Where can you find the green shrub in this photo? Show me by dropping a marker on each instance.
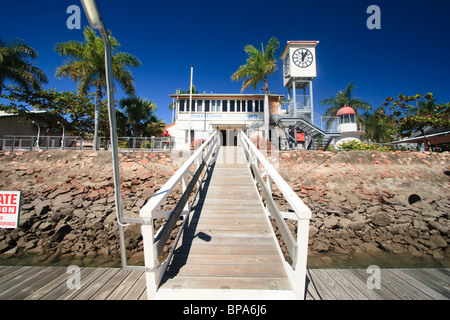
(357, 145)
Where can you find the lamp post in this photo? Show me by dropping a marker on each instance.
(62, 137)
(96, 22)
(39, 133)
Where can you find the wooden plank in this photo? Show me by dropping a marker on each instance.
(430, 280)
(320, 285)
(28, 276)
(41, 280)
(62, 288)
(332, 285)
(50, 286)
(16, 276)
(229, 241)
(226, 249)
(96, 285)
(228, 221)
(352, 290)
(398, 287)
(110, 286)
(121, 290)
(430, 293)
(371, 294)
(312, 292)
(138, 290)
(221, 270)
(226, 233)
(88, 275)
(201, 259)
(187, 282)
(384, 290)
(6, 270)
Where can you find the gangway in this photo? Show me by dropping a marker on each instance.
(225, 246)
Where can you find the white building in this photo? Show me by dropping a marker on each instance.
(224, 112)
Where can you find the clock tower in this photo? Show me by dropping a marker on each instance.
(299, 70)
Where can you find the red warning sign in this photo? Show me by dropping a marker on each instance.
(9, 209)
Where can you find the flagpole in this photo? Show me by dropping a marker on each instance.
(190, 107)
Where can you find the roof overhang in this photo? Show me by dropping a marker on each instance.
(299, 43)
(441, 137)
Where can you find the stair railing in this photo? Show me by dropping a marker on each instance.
(154, 244)
(297, 248)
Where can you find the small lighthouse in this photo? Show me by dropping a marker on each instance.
(348, 127)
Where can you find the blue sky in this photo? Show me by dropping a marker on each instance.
(410, 54)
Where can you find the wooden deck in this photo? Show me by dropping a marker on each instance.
(228, 243)
(50, 283)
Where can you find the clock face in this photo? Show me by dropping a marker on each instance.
(302, 58)
(286, 65)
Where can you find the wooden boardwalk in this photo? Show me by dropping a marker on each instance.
(50, 283)
(228, 244)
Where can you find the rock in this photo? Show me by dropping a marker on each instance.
(4, 246)
(61, 232)
(356, 226)
(331, 222)
(321, 246)
(42, 207)
(438, 241)
(344, 223)
(438, 255)
(381, 220)
(438, 226)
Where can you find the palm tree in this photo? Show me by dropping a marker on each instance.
(140, 116)
(259, 65)
(342, 99)
(86, 66)
(379, 127)
(15, 66)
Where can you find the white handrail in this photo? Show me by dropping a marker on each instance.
(299, 207)
(297, 271)
(203, 156)
(155, 202)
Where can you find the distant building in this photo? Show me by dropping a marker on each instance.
(224, 112)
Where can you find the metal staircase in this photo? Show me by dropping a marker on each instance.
(318, 136)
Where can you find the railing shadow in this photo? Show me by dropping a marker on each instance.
(181, 253)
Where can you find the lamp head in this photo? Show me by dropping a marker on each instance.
(93, 14)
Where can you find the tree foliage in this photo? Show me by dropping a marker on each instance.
(17, 66)
(260, 64)
(341, 99)
(86, 67)
(417, 112)
(140, 117)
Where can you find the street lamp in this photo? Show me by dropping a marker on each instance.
(96, 22)
(39, 133)
(62, 138)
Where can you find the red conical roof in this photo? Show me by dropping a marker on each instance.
(345, 110)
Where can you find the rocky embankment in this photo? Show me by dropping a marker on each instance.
(361, 201)
(371, 201)
(68, 205)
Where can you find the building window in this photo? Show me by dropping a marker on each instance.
(224, 105)
(199, 105)
(243, 105)
(238, 105)
(249, 105)
(206, 105)
(181, 105)
(261, 105)
(256, 105)
(232, 106)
